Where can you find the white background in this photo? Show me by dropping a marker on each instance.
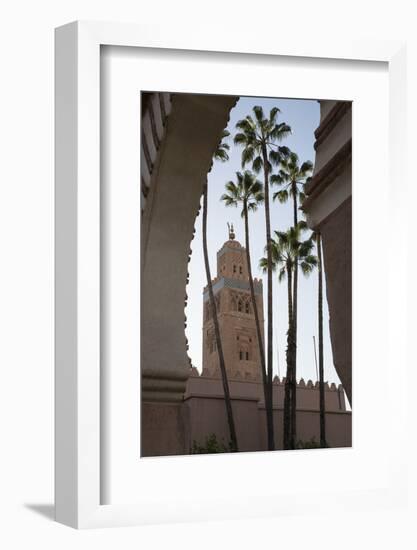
(26, 275)
(301, 473)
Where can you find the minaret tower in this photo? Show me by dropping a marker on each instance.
(235, 313)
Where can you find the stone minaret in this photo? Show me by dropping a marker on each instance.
(235, 314)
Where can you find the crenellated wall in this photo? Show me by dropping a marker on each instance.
(205, 402)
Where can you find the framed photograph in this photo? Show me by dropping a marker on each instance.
(220, 334)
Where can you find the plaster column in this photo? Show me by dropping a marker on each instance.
(328, 208)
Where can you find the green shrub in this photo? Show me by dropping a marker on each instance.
(211, 445)
(310, 444)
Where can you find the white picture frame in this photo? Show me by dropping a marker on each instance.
(78, 403)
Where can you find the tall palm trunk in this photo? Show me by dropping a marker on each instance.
(226, 390)
(295, 319)
(293, 361)
(255, 308)
(288, 380)
(269, 403)
(321, 366)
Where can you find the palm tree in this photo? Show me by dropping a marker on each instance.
(288, 251)
(291, 178)
(323, 442)
(248, 192)
(316, 236)
(258, 136)
(222, 150)
(221, 153)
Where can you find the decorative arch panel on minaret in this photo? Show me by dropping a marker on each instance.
(235, 314)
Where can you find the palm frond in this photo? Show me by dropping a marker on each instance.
(263, 264)
(281, 196)
(247, 155)
(239, 178)
(240, 139)
(283, 237)
(282, 274)
(259, 197)
(284, 151)
(302, 225)
(257, 190)
(247, 125)
(306, 168)
(292, 159)
(221, 154)
(276, 179)
(280, 131)
(257, 164)
(305, 248)
(275, 157)
(222, 147)
(228, 200)
(232, 188)
(306, 268)
(273, 115)
(259, 113)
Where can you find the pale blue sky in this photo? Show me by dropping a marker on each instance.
(303, 117)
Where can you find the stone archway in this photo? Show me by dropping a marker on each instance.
(177, 172)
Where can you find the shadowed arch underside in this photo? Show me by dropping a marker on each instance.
(193, 129)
